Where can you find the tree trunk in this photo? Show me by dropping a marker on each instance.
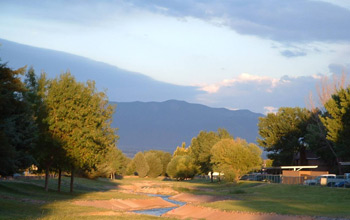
(302, 156)
(322, 131)
(59, 180)
(71, 180)
(47, 169)
(211, 177)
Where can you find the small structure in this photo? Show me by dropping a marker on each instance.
(295, 174)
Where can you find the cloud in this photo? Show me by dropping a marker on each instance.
(291, 54)
(286, 21)
(270, 109)
(266, 83)
(283, 21)
(339, 68)
(259, 93)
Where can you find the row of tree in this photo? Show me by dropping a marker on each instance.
(325, 131)
(62, 125)
(208, 152)
(56, 124)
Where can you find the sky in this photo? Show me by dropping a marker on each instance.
(254, 54)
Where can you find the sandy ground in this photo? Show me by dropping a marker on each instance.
(195, 212)
(190, 198)
(127, 204)
(149, 187)
(117, 207)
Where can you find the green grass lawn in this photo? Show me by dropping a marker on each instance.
(279, 198)
(26, 199)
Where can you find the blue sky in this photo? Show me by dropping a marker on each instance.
(255, 54)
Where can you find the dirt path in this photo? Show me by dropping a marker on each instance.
(195, 212)
(149, 187)
(117, 207)
(127, 204)
(191, 198)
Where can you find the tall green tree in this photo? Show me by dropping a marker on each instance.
(17, 127)
(47, 151)
(281, 135)
(317, 142)
(182, 167)
(114, 163)
(164, 157)
(141, 165)
(201, 148)
(235, 158)
(154, 163)
(181, 151)
(80, 118)
(337, 122)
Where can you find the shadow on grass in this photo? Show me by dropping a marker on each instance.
(287, 199)
(272, 198)
(26, 198)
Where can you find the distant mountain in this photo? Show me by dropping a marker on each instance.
(165, 125)
(142, 125)
(122, 85)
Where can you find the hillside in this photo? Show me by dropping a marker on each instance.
(165, 125)
(121, 85)
(142, 125)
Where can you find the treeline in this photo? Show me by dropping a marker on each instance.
(55, 124)
(292, 133)
(208, 152)
(61, 125)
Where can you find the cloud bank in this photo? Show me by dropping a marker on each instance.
(260, 94)
(285, 21)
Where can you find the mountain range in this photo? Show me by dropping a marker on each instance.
(148, 114)
(121, 85)
(165, 125)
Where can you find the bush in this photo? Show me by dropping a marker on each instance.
(182, 167)
(155, 165)
(141, 165)
(235, 158)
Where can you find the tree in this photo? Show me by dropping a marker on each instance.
(316, 141)
(316, 136)
(154, 164)
(80, 118)
(201, 148)
(182, 167)
(337, 122)
(181, 151)
(141, 165)
(46, 150)
(130, 167)
(17, 127)
(235, 158)
(114, 163)
(281, 134)
(164, 157)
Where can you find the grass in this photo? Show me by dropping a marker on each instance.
(286, 199)
(26, 199)
(273, 198)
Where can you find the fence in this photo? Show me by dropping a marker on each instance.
(330, 181)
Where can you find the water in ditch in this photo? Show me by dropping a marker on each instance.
(160, 211)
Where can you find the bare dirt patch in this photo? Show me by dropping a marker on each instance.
(149, 187)
(127, 204)
(191, 198)
(195, 212)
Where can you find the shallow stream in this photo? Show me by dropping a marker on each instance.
(160, 211)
